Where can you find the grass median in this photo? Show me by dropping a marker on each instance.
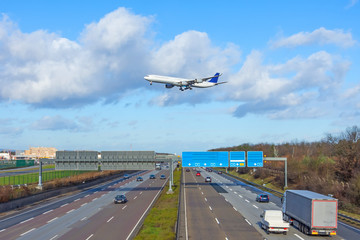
(161, 220)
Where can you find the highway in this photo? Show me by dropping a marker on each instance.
(90, 214)
(240, 197)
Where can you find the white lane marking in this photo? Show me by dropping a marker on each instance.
(240, 196)
(70, 211)
(83, 204)
(226, 238)
(235, 192)
(2, 230)
(199, 188)
(87, 195)
(52, 220)
(227, 187)
(246, 200)
(247, 221)
(110, 219)
(147, 209)
(77, 200)
(27, 232)
(226, 200)
(48, 211)
(83, 219)
(135, 197)
(140, 192)
(64, 205)
(298, 236)
(202, 193)
(124, 207)
(94, 199)
(217, 221)
(26, 220)
(255, 206)
(186, 227)
(90, 236)
(230, 189)
(234, 208)
(210, 208)
(205, 199)
(53, 237)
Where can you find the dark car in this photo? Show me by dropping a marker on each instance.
(120, 199)
(210, 170)
(208, 179)
(262, 198)
(187, 170)
(198, 174)
(139, 179)
(162, 176)
(152, 176)
(219, 172)
(126, 176)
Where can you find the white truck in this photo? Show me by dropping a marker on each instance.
(158, 166)
(312, 213)
(272, 221)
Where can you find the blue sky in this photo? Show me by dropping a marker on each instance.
(72, 73)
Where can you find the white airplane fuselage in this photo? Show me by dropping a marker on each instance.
(179, 82)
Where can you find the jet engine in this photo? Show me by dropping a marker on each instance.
(169, 85)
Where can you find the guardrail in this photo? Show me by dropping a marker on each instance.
(280, 194)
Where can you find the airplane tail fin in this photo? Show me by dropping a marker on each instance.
(215, 78)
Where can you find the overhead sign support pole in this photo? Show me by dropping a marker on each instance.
(279, 159)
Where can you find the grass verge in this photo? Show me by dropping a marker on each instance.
(161, 220)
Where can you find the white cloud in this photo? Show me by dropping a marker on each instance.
(319, 36)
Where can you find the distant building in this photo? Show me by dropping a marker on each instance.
(41, 152)
(5, 156)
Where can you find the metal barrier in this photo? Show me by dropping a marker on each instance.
(179, 207)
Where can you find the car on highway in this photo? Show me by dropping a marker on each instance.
(162, 176)
(152, 176)
(262, 198)
(139, 179)
(126, 176)
(198, 174)
(120, 199)
(187, 170)
(208, 179)
(194, 169)
(219, 172)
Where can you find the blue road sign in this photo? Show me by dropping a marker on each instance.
(237, 159)
(255, 159)
(205, 159)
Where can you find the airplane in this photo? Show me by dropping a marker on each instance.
(184, 83)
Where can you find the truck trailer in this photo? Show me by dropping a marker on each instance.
(312, 213)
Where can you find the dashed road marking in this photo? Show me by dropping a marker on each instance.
(240, 196)
(89, 194)
(247, 200)
(53, 237)
(205, 199)
(94, 199)
(124, 207)
(83, 204)
(77, 200)
(141, 192)
(83, 219)
(217, 221)
(90, 236)
(70, 211)
(48, 211)
(298, 236)
(202, 193)
(110, 219)
(247, 221)
(26, 220)
(64, 205)
(2, 230)
(135, 197)
(27, 232)
(210, 208)
(52, 220)
(255, 206)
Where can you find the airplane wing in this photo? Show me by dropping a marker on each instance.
(200, 80)
(220, 83)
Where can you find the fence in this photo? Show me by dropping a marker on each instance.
(16, 163)
(34, 177)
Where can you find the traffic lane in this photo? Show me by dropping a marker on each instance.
(124, 216)
(230, 220)
(201, 222)
(244, 199)
(32, 223)
(16, 218)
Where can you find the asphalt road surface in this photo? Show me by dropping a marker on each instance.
(240, 197)
(208, 215)
(90, 214)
